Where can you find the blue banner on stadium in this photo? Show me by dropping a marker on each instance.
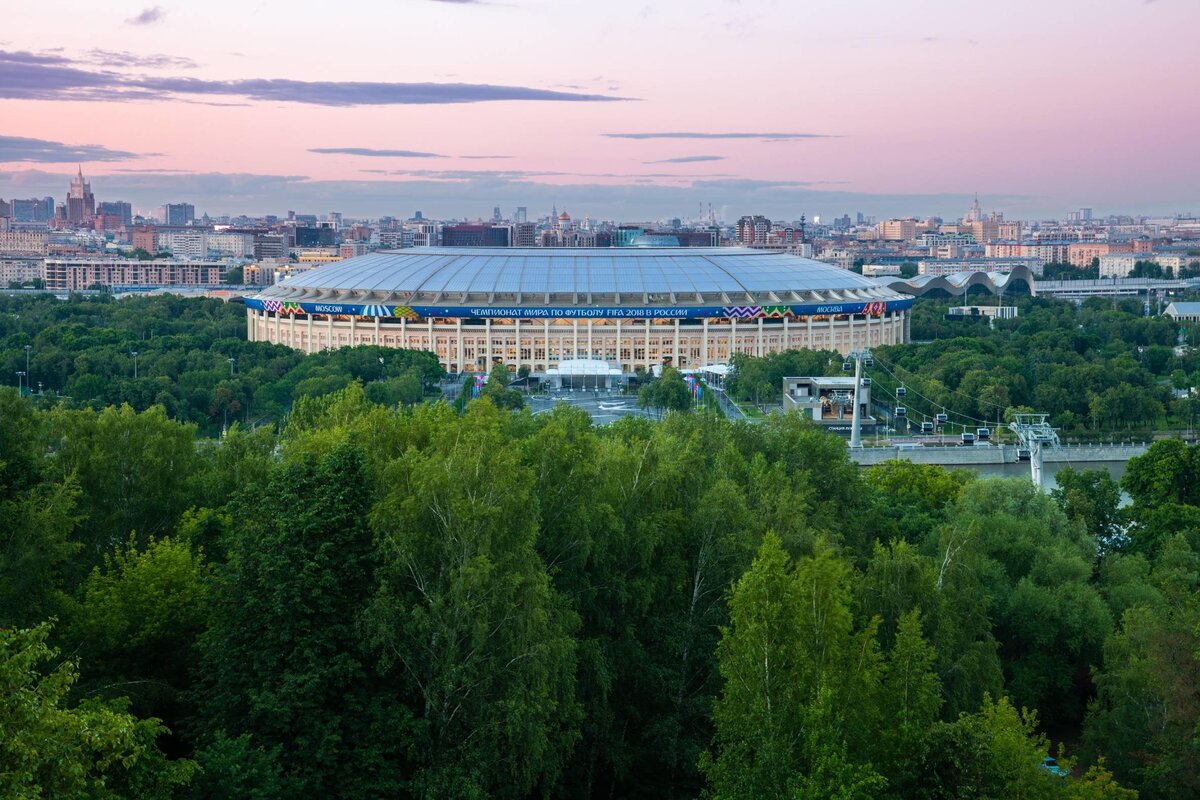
(289, 307)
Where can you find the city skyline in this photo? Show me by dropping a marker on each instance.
(633, 111)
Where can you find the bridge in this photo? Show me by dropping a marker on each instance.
(977, 455)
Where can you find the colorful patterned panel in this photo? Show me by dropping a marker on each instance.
(775, 312)
(406, 312)
(272, 305)
(376, 311)
(291, 307)
(741, 312)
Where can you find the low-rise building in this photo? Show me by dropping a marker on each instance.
(1183, 312)
(65, 274)
(829, 401)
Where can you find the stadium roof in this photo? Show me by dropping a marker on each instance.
(958, 283)
(569, 276)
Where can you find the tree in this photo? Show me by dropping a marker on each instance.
(51, 749)
(136, 624)
(497, 389)
(283, 660)
(1094, 498)
(668, 392)
(995, 752)
(789, 672)
(465, 621)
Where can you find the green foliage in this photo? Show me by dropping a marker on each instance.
(996, 752)
(50, 749)
(796, 675)
(80, 352)
(466, 622)
(283, 660)
(760, 380)
(669, 392)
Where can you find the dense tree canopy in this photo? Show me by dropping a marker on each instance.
(381, 599)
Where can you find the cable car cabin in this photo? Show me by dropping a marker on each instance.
(901, 391)
(1024, 454)
(942, 418)
(901, 411)
(926, 427)
(983, 434)
(845, 366)
(868, 361)
(968, 438)
(866, 381)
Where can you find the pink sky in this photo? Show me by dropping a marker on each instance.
(1039, 106)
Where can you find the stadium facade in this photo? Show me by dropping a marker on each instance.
(539, 308)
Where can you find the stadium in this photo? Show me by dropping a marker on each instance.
(550, 310)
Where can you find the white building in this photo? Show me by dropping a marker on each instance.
(183, 243)
(938, 268)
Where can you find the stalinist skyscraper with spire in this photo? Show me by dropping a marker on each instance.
(81, 203)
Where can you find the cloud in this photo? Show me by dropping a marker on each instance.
(124, 58)
(486, 157)
(685, 160)
(699, 135)
(28, 76)
(42, 151)
(373, 153)
(148, 16)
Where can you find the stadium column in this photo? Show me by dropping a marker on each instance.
(432, 343)
(278, 329)
(310, 335)
(850, 328)
(251, 314)
(675, 356)
(732, 337)
(458, 354)
(786, 341)
(404, 333)
(517, 338)
(574, 338)
(649, 365)
(547, 329)
(810, 333)
(620, 365)
(591, 352)
(487, 331)
(353, 329)
(377, 339)
(291, 330)
(759, 345)
(704, 343)
(329, 340)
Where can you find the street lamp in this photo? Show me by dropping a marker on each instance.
(135, 355)
(232, 361)
(20, 382)
(28, 347)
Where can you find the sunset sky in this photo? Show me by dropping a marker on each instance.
(628, 110)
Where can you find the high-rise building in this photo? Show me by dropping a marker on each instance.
(898, 230)
(33, 210)
(81, 203)
(524, 234)
(475, 236)
(521, 215)
(5, 209)
(753, 230)
(178, 214)
(496, 214)
(976, 213)
(116, 208)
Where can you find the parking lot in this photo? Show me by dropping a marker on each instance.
(603, 406)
